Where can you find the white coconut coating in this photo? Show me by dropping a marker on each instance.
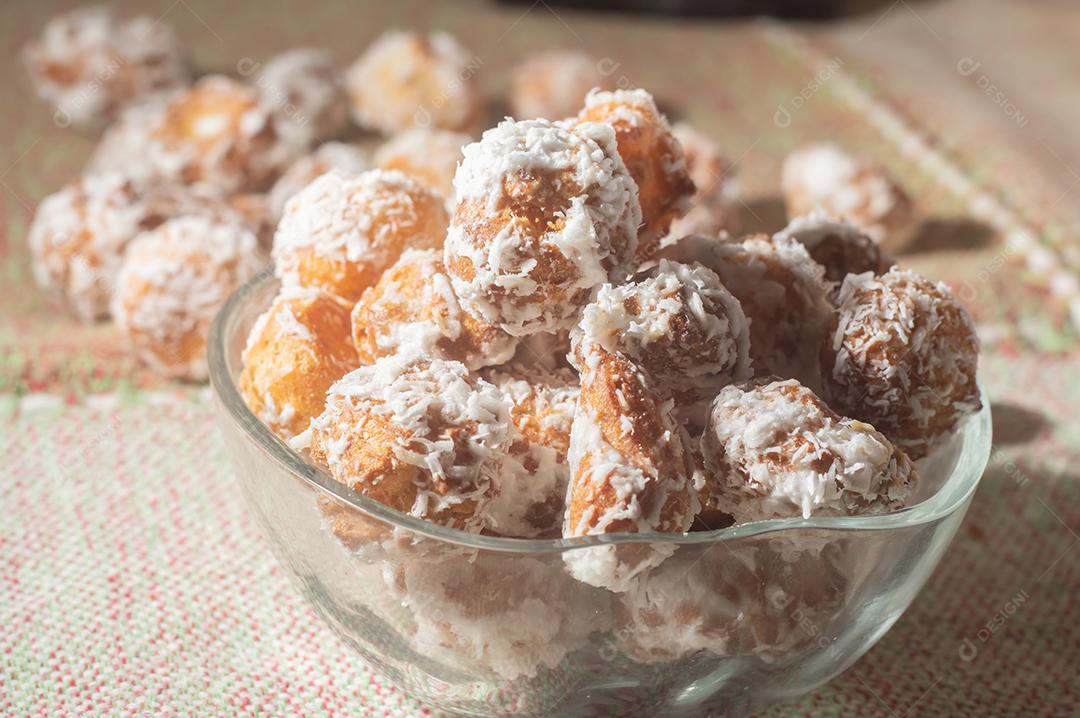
(653, 156)
(89, 65)
(405, 80)
(824, 176)
(552, 85)
(78, 237)
(681, 327)
(545, 215)
(347, 159)
(496, 613)
(902, 354)
(173, 281)
(759, 598)
(837, 245)
(775, 450)
(782, 291)
(412, 311)
(424, 437)
(125, 144)
(221, 134)
(532, 490)
(340, 233)
(305, 89)
(630, 470)
(429, 155)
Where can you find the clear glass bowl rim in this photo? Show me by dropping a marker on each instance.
(953, 494)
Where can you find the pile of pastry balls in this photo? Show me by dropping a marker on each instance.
(178, 203)
(547, 332)
(543, 359)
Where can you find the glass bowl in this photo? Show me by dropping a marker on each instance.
(733, 621)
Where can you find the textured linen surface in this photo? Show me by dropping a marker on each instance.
(132, 580)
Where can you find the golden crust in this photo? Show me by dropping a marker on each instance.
(287, 369)
(78, 237)
(654, 159)
(426, 438)
(545, 214)
(91, 65)
(342, 243)
(774, 449)
(614, 393)
(533, 204)
(681, 327)
(630, 471)
(552, 84)
(408, 80)
(379, 475)
(413, 307)
(219, 134)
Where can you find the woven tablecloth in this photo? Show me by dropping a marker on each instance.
(133, 581)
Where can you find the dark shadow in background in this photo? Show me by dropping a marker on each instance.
(761, 214)
(950, 233)
(1014, 424)
(792, 9)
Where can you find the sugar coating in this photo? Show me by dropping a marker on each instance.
(747, 599)
(345, 158)
(424, 437)
(496, 613)
(78, 237)
(630, 470)
(782, 291)
(340, 233)
(532, 490)
(775, 450)
(305, 89)
(413, 311)
(429, 155)
(902, 354)
(172, 282)
(712, 208)
(652, 155)
(296, 349)
(686, 332)
(837, 245)
(405, 80)
(545, 215)
(218, 133)
(824, 176)
(552, 85)
(89, 65)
